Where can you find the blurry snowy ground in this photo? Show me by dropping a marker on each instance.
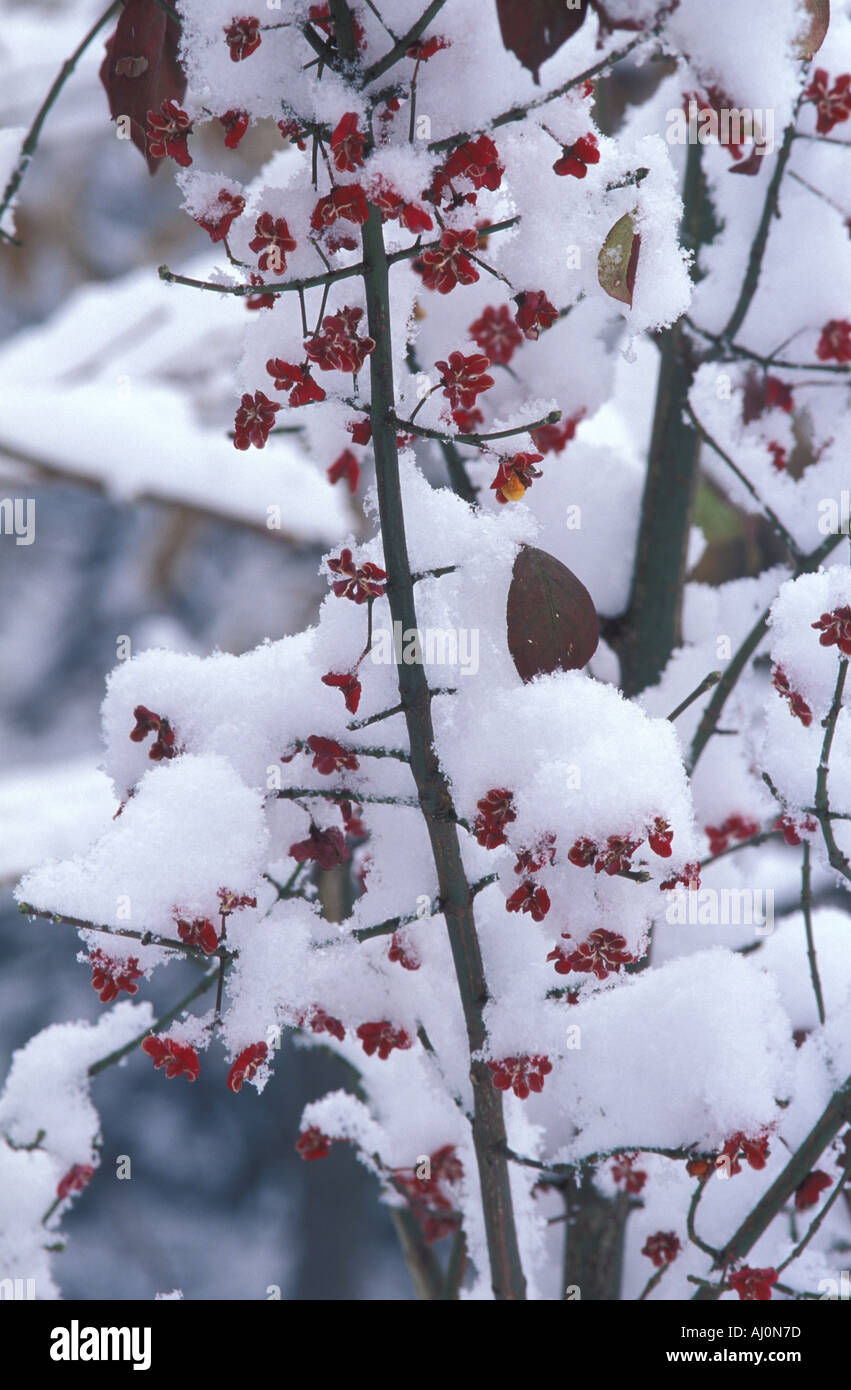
(99, 380)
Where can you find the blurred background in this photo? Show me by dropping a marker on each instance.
(108, 379)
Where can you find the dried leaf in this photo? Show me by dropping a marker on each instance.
(141, 70)
(815, 32)
(618, 259)
(536, 29)
(552, 624)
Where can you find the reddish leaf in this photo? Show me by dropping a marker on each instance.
(552, 625)
(141, 70)
(536, 29)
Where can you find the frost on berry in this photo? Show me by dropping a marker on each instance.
(199, 933)
(218, 218)
(75, 1180)
(430, 1198)
(303, 389)
(242, 37)
(521, 1075)
(177, 1058)
(246, 1065)
(496, 810)
(312, 1144)
(318, 1021)
(625, 1173)
(403, 953)
(110, 977)
(235, 124)
(382, 1038)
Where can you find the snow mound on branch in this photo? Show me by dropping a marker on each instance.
(47, 1090)
(191, 828)
(690, 1054)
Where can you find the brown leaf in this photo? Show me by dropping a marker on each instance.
(141, 70)
(536, 29)
(618, 259)
(552, 624)
(815, 30)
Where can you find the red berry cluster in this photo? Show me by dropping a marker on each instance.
(168, 131)
(662, 1248)
(402, 952)
(791, 830)
(797, 704)
(496, 810)
(220, 215)
(808, 1193)
(835, 629)
(625, 1172)
(833, 104)
(448, 264)
(357, 582)
(521, 1074)
(110, 977)
(254, 420)
(147, 722)
(576, 158)
(327, 848)
(74, 1180)
(754, 1284)
(177, 1058)
(427, 1198)
(515, 475)
(382, 1038)
(242, 37)
(246, 1065)
(312, 1144)
(734, 828)
(349, 685)
(318, 1021)
(338, 347)
(602, 954)
(199, 933)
